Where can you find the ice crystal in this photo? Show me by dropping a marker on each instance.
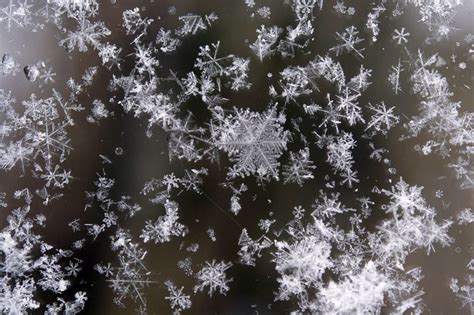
(212, 277)
(254, 141)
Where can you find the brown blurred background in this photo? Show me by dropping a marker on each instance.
(143, 158)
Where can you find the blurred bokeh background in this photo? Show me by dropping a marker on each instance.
(252, 289)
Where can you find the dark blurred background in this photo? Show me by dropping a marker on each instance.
(252, 289)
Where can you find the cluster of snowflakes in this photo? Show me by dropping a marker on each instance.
(326, 259)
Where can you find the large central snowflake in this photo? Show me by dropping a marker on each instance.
(254, 141)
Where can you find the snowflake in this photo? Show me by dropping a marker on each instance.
(131, 278)
(394, 77)
(165, 227)
(208, 61)
(341, 159)
(400, 36)
(16, 14)
(465, 293)
(87, 33)
(301, 265)
(191, 23)
(299, 168)
(266, 40)
(382, 116)
(361, 293)
(213, 275)
(177, 299)
(254, 141)
(405, 198)
(347, 41)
